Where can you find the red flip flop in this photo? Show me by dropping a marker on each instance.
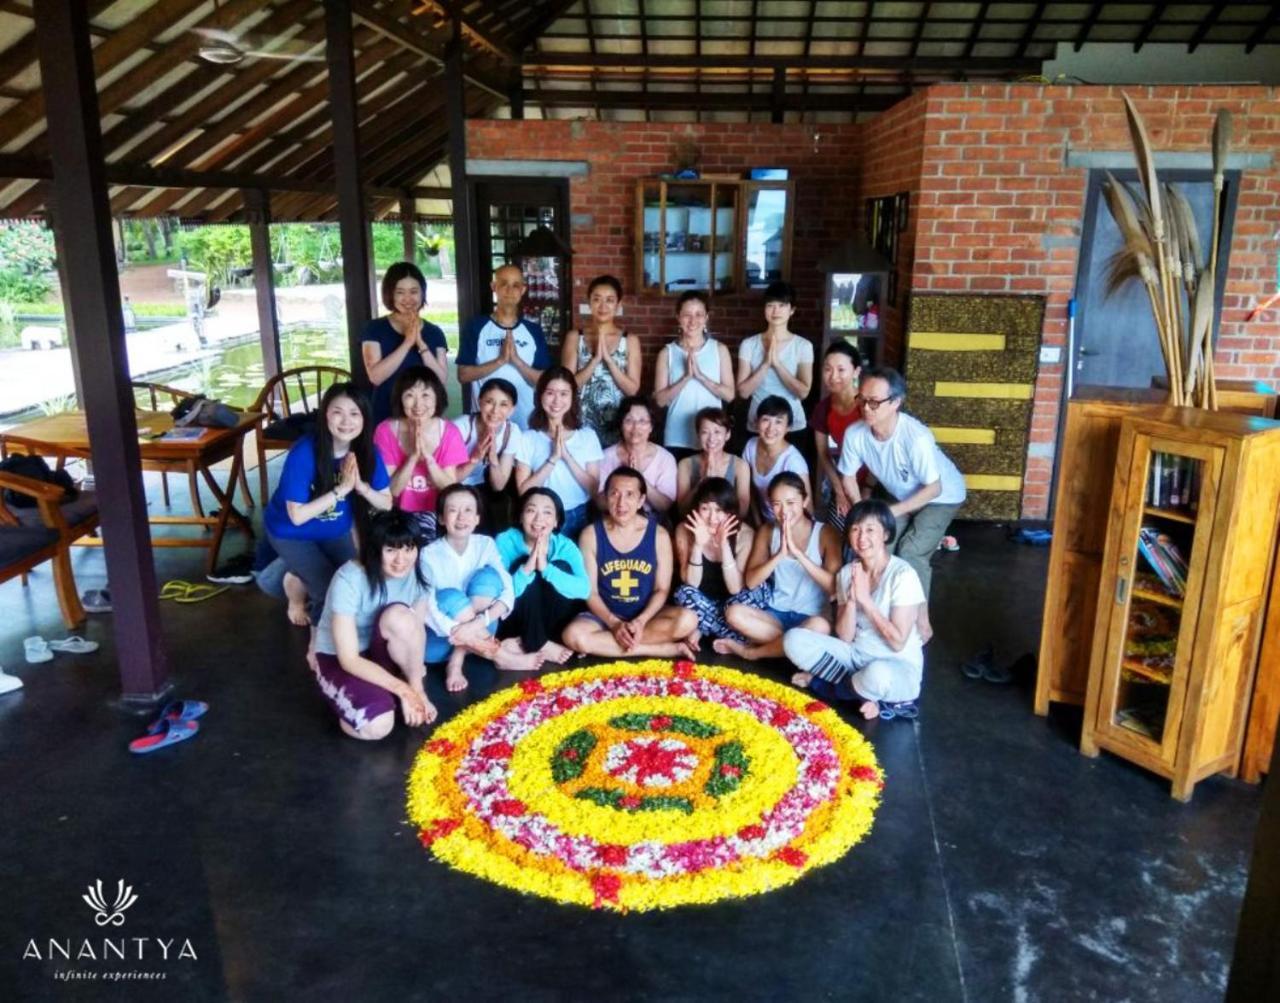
(171, 733)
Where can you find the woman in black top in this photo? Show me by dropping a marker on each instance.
(711, 553)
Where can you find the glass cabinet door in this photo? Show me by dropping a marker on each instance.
(688, 237)
(1160, 568)
(652, 237)
(724, 237)
(765, 233)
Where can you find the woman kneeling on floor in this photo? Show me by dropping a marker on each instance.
(876, 655)
(470, 589)
(370, 637)
(548, 579)
(789, 576)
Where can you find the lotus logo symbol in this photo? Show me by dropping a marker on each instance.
(105, 915)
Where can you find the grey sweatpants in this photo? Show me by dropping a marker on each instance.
(918, 536)
(885, 680)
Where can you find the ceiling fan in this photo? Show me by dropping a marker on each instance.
(225, 48)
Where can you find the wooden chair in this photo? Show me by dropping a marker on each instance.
(294, 391)
(46, 534)
(159, 397)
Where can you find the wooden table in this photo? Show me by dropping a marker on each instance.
(66, 435)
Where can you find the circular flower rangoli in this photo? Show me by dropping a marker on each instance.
(642, 785)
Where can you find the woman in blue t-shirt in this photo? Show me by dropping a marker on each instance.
(391, 344)
(310, 520)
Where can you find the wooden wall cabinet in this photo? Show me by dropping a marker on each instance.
(1190, 540)
(719, 235)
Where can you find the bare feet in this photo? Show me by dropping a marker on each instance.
(870, 710)
(454, 680)
(728, 646)
(517, 660)
(296, 593)
(802, 680)
(432, 713)
(298, 614)
(554, 652)
(690, 647)
(926, 632)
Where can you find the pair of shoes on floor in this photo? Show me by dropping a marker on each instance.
(8, 683)
(96, 601)
(37, 649)
(983, 666)
(1032, 537)
(190, 592)
(949, 543)
(903, 710)
(236, 571)
(176, 723)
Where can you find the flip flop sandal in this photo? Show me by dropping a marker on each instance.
(96, 601)
(74, 645)
(37, 650)
(170, 733)
(190, 592)
(997, 674)
(979, 665)
(949, 544)
(905, 710)
(178, 710)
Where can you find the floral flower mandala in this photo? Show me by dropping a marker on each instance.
(643, 785)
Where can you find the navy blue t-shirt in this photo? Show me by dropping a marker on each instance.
(389, 339)
(297, 484)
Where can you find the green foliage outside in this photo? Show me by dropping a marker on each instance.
(26, 272)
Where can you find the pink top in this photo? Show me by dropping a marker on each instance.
(419, 495)
(660, 472)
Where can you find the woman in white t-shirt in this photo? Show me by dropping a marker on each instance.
(777, 362)
(492, 439)
(876, 655)
(693, 372)
(557, 452)
(770, 454)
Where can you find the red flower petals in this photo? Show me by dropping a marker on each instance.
(613, 854)
(659, 722)
(782, 717)
(865, 773)
(531, 686)
(511, 807)
(676, 688)
(790, 855)
(684, 670)
(437, 829)
(629, 801)
(497, 750)
(570, 753)
(440, 746)
(729, 770)
(814, 706)
(751, 832)
(606, 887)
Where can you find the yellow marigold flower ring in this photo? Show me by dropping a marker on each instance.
(642, 785)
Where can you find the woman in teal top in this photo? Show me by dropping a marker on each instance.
(548, 578)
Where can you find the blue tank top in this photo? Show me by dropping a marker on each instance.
(625, 579)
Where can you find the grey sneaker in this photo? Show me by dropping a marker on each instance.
(96, 601)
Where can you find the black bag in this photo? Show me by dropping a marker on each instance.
(35, 468)
(292, 428)
(202, 412)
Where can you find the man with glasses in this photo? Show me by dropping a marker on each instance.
(923, 487)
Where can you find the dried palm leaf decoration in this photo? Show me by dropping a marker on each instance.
(1163, 250)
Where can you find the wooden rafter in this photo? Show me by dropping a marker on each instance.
(1202, 29)
(1086, 26)
(470, 31)
(1029, 34)
(1148, 26)
(920, 26)
(976, 31)
(920, 64)
(411, 37)
(864, 26)
(22, 53)
(1265, 25)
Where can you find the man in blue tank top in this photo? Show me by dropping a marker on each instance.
(628, 560)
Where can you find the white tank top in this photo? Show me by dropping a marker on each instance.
(680, 430)
(793, 588)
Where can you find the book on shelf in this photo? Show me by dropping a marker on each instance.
(1164, 558)
(1173, 482)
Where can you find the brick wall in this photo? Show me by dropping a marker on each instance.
(822, 160)
(999, 211)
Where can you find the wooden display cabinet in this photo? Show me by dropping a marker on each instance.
(718, 235)
(1190, 540)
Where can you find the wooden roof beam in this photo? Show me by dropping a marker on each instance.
(691, 100)
(470, 30)
(1087, 26)
(1028, 35)
(22, 53)
(1202, 29)
(920, 64)
(1157, 12)
(1264, 26)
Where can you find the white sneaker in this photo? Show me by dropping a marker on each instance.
(9, 683)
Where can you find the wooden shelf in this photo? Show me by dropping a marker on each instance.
(1156, 597)
(1170, 513)
(1139, 669)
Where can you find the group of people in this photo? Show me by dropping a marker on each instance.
(550, 521)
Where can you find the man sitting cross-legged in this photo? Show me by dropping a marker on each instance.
(628, 561)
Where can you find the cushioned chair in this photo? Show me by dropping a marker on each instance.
(31, 536)
(287, 397)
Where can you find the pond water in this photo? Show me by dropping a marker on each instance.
(235, 375)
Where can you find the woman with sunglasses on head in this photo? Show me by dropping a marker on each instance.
(421, 449)
(607, 365)
(391, 344)
(789, 575)
(312, 519)
(370, 637)
(637, 450)
(557, 452)
(875, 655)
(714, 428)
(692, 373)
(921, 485)
(548, 579)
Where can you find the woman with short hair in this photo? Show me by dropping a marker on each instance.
(636, 449)
(606, 365)
(769, 454)
(692, 372)
(714, 427)
(777, 362)
(393, 343)
(711, 556)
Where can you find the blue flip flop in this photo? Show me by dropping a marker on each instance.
(170, 733)
(832, 692)
(906, 710)
(178, 710)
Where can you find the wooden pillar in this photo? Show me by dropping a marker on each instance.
(463, 210)
(352, 217)
(408, 226)
(1255, 968)
(257, 206)
(515, 94)
(92, 295)
(778, 109)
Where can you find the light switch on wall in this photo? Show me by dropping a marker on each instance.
(1050, 354)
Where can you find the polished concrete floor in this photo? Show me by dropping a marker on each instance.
(1002, 864)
